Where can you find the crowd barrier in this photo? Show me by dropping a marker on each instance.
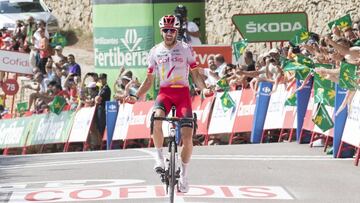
(126, 122)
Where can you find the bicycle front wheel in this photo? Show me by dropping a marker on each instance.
(172, 171)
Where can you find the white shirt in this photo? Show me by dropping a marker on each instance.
(172, 65)
(192, 27)
(220, 70)
(210, 80)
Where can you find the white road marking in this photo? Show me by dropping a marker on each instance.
(152, 154)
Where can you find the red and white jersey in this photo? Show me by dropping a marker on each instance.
(171, 65)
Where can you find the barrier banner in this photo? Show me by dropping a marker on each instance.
(82, 122)
(339, 123)
(122, 121)
(14, 132)
(276, 109)
(50, 128)
(302, 103)
(202, 108)
(245, 115)
(111, 114)
(262, 102)
(139, 123)
(290, 112)
(329, 132)
(351, 134)
(223, 122)
(310, 110)
(203, 52)
(15, 62)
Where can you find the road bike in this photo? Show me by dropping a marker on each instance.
(171, 174)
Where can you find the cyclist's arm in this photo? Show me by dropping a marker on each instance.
(145, 86)
(198, 79)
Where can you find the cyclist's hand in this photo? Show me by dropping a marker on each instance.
(130, 99)
(207, 92)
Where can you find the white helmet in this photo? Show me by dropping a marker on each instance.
(169, 21)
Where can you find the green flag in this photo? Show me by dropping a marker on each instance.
(323, 65)
(322, 118)
(58, 39)
(239, 48)
(324, 90)
(343, 23)
(226, 101)
(301, 36)
(302, 74)
(22, 107)
(348, 76)
(57, 104)
(291, 101)
(223, 84)
(303, 60)
(357, 43)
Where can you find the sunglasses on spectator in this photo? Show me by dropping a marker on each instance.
(169, 30)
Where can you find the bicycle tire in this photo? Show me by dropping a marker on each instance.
(172, 172)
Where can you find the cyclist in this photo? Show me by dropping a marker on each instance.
(172, 60)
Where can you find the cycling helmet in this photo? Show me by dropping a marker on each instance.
(181, 9)
(169, 21)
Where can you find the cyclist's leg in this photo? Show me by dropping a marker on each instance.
(162, 107)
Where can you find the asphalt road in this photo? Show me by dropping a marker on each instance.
(278, 172)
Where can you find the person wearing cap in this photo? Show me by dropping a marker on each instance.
(191, 30)
(58, 56)
(73, 66)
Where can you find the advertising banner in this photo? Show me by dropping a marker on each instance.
(203, 52)
(351, 134)
(202, 108)
(290, 112)
(50, 128)
(223, 121)
(276, 109)
(82, 122)
(270, 27)
(245, 114)
(139, 124)
(111, 114)
(262, 103)
(14, 132)
(340, 121)
(302, 99)
(15, 62)
(122, 121)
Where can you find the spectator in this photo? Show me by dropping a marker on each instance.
(58, 55)
(249, 63)
(100, 100)
(39, 86)
(73, 66)
(44, 53)
(220, 64)
(189, 31)
(209, 74)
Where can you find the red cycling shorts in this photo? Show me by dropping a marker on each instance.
(179, 96)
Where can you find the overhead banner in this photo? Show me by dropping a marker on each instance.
(15, 62)
(82, 123)
(270, 27)
(245, 114)
(50, 128)
(13, 132)
(204, 52)
(226, 119)
(262, 102)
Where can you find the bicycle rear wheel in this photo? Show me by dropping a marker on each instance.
(172, 172)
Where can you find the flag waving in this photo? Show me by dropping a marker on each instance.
(226, 101)
(322, 118)
(342, 23)
(239, 48)
(57, 104)
(301, 36)
(348, 76)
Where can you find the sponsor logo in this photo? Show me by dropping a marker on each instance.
(173, 59)
(266, 90)
(252, 27)
(131, 40)
(112, 108)
(102, 190)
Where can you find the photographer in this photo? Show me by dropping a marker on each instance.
(189, 31)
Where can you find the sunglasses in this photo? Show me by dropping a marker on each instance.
(169, 30)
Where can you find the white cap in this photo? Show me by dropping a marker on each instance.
(91, 85)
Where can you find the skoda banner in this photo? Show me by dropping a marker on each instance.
(269, 27)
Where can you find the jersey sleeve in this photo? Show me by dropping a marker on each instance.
(190, 56)
(151, 62)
